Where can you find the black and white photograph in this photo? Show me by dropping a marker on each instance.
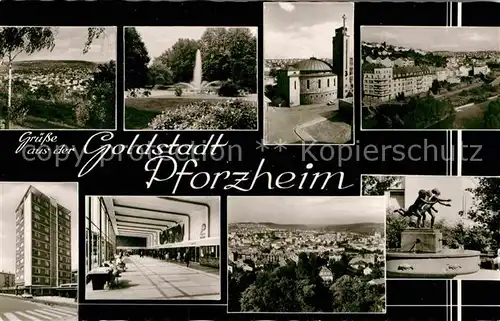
(152, 248)
(191, 78)
(38, 251)
(440, 226)
(59, 78)
(430, 78)
(306, 254)
(308, 72)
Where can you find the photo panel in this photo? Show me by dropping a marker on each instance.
(408, 69)
(308, 72)
(58, 78)
(379, 15)
(441, 227)
(191, 78)
(152, 249)
(306, 254)
(38, 250)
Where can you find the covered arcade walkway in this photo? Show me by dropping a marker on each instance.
(148, 278)
(165, 230)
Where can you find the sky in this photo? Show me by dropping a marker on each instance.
(69, 43)
(306, 209)
(304, 29)
(159, 39)
(11, 195)
(435, 38)
(450, 187)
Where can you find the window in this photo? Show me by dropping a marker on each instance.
(319, 83)
(328, 82)
(295, 84)
(307, 83)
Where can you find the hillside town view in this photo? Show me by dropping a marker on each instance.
(66, 80)
(306, 265)
(430, 78)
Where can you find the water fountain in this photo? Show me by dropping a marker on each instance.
(422, 256)
(197, 85)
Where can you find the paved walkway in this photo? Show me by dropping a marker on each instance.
(150, 279)
(281, 122)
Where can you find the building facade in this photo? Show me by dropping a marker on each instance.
(385, 83)
(43, 241)
(100, 233)
(7, 279)
(309, 81)
(315, 81)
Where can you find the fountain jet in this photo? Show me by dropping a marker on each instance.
(197, 73)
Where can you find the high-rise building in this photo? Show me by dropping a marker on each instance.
(341, 59)
(43, 241)
(7, 279)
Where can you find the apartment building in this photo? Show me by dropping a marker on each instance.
(383, 83)
(43, 241)
(7, 279)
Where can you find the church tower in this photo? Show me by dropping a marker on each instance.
(341, 59)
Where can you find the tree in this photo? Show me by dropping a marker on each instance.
(160, 73)
(486, 209)
(435, 87)
(230, 54)
(491, 116)
(378, 185)
(28, 40)
(179, 59)
(98, 111)
(136, 60)
(354, 294)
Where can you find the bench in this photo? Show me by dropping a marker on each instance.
(99, 276)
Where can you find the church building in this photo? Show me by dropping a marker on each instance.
(314, 81)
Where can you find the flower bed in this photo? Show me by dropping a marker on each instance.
(208, 115)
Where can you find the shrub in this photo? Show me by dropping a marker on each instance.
(178, 91)
(229, 89)
(228, 114)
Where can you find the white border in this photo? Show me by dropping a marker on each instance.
(162, 301)
(123, 92)
(59, 202)
(353, 126)
(410, 129)
(430, 176)
(301, 312)
(116, 86)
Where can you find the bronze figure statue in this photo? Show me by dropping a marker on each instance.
(422, 205)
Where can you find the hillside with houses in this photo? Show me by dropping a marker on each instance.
(73, 76)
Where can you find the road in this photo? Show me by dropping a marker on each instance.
(17, 309)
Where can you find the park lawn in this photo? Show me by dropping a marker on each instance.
(140, 111)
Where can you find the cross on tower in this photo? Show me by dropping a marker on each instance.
(343, 19)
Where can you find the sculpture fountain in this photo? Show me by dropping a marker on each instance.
(197, 85)
(422, 255)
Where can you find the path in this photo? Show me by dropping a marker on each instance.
(151, 279)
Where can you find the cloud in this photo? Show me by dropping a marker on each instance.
(302, 41)
(288, 7)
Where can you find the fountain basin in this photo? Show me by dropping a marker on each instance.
(447, 263)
